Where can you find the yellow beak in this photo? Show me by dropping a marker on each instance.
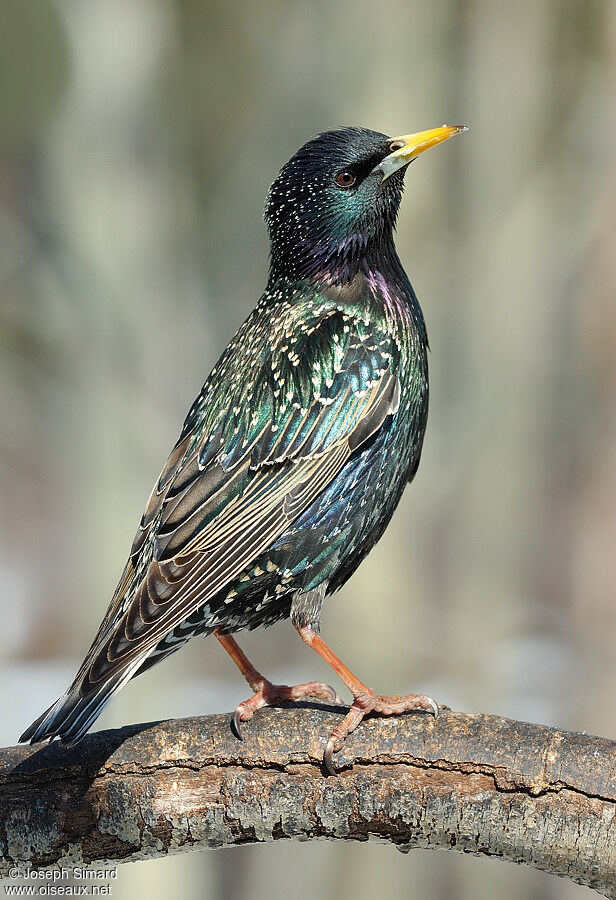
(409, 146)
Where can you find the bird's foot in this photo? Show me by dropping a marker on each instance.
(368, 702)
(272, 694)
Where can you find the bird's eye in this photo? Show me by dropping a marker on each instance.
(396, 145)
(345, 179)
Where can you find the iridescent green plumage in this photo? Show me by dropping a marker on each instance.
(295, 453)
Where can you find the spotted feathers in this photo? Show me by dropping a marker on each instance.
(296, 451)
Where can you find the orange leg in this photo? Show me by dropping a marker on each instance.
(365, 700)
(266, 693)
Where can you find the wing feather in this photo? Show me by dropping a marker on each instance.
(212, 513)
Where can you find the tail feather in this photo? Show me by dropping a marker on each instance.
(74, 712)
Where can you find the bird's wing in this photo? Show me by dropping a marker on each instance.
(234, 482)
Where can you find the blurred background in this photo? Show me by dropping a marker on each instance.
(137, 143)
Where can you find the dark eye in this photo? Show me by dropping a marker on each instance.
(345, 179)
(396, 145)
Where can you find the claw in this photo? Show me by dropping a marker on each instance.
(236, 726)
(333, 696)
(365, 703)
(328, 758)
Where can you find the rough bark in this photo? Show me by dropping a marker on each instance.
(476, 783)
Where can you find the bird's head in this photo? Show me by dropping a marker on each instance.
(335, 202)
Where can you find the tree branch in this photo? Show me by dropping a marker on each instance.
(476, 783)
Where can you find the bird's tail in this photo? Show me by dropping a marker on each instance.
(74, 712)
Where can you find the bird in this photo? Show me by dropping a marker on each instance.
(294, 455)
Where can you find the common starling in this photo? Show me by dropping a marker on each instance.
(295, 454)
